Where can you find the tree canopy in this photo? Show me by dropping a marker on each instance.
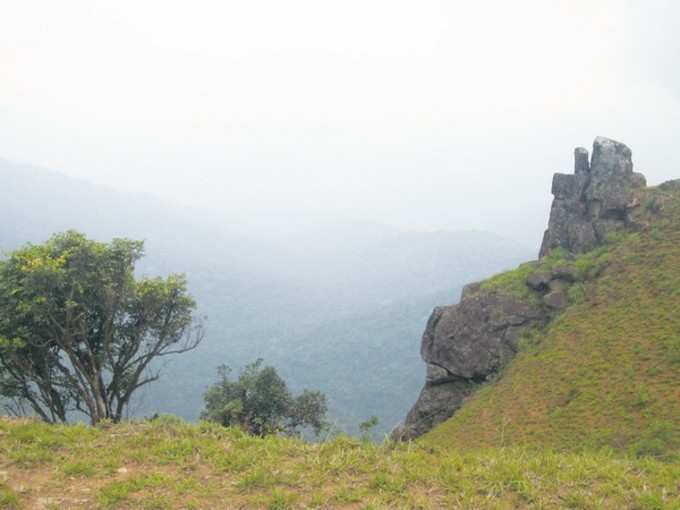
(259, 401)
(78, 331)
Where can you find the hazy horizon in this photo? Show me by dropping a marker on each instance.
(440, 115)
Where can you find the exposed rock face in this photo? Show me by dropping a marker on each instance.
(474, 338)
(463, 345)
(594, 201)
(466, 344)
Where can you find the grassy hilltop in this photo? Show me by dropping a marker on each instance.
(167, 463)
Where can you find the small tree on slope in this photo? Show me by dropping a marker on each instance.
(78, 332)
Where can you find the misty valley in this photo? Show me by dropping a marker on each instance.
(335, 307)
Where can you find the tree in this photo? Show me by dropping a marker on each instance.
(366, 426)
(259, 401)
(78, 331)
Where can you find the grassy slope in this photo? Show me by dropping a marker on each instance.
(170, 464)
(606, 372)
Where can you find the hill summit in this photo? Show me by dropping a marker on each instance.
(578, 347)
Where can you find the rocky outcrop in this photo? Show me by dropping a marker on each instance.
(474, 338)
(466, 344)
(463, 345)
(593, 201)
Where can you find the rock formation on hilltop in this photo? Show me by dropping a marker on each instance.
(594, 201)
(466, 344)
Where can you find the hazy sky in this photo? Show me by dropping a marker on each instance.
(422, 113)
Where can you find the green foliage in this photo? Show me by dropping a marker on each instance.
(366, 426)
(260, 402)
(78, 332)
(308, 410)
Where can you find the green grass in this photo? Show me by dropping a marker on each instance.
(606, 372)
(79, 468)
(115, 493)
(286, 473)
(8, 498)
(588, 266)
(513, 281)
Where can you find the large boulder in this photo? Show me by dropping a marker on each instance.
(610, 189)
(474, 338)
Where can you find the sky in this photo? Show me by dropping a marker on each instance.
(427, 114)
